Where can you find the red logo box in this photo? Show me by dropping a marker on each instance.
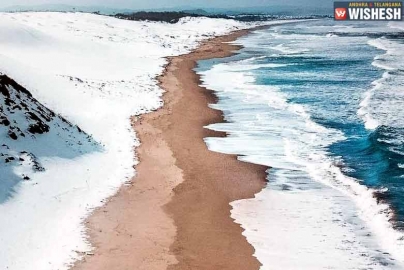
(340, 13)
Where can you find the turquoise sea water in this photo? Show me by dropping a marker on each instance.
(322, 102)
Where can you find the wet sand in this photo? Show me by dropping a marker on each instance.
(175, 214)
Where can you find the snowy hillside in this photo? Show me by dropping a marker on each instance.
(97, 72)
(29, 130)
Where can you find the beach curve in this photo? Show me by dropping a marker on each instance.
(175, 213)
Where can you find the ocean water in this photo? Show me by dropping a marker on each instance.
(321, 103)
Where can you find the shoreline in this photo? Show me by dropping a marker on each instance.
(175, 213)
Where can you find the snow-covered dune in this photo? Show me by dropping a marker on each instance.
(28, 131)
(95, 72)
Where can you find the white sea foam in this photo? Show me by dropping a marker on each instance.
(311, 216)
(331, 35)
(397, 25)
(287, 50)
(387, 93)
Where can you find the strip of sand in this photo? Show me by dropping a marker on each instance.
(175, 214)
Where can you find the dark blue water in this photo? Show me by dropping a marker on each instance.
(326, 94)
(330, 82)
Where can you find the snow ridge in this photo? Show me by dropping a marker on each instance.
(28, 129)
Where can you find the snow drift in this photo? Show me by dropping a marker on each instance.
(29, 130)
(95, 72)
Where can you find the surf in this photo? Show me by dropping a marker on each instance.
(301, 116)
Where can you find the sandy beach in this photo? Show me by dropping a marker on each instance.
(175, 213)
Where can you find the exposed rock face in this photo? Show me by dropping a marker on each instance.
(29, 131)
